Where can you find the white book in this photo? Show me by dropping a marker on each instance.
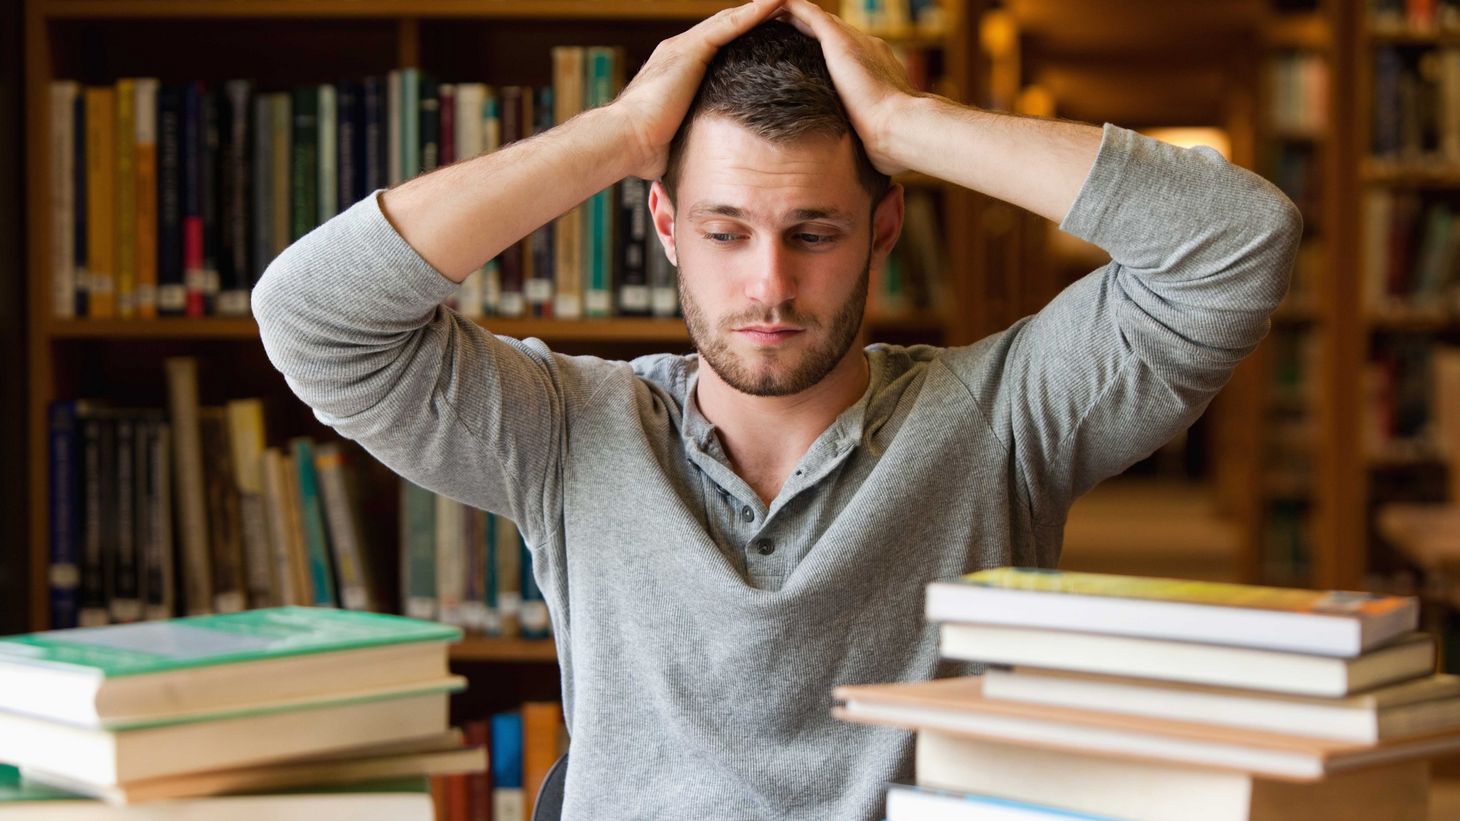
(329, 147)
(1269, 670)
(1422, 705)
(1335, 623)
(909, 803)
(450, 560)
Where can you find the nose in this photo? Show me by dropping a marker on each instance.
(773, 279)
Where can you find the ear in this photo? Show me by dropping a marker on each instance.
(663, 212)
(886, 224)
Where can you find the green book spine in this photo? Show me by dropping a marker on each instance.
(418, 551)
(304, 169)
(321, 573)
(598, 248)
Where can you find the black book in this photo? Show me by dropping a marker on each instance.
(235, 258)
(304, 161)
(376, 158)
(211, 167)
(430, 114)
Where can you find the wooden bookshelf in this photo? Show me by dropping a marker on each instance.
(667, 332)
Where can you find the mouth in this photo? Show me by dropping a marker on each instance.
(768, 334)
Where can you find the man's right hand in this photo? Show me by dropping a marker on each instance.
(655, 103)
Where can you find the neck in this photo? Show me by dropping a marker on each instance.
(765, 436)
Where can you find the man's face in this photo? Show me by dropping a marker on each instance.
(774, 243)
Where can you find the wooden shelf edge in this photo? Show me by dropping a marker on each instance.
(1300, 30)
(491, 648)
(1418, 173)
(676, 10)
(618, 329)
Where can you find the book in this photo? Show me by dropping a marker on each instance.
(346, 534)
(542, 723)
(958, 706)
(396, 800)
(191, 500)
(418, 551)
(1422, 705)
(225, 531)
(246, 445)
(427, 755)
(129, 675)
(100, 138)
(1328, 622)
(508, 800)
(910, 803)
(124, 193)
(272, 732)
(65, 516)
(146, 200)
(1152, 790)
(1278, 672)
(62, 146)
(311, 517)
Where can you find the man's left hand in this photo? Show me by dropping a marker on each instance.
(869, 78)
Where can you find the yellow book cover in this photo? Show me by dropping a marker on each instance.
(145, 166)
(126, 197)
(101, 147)
(1292, 600)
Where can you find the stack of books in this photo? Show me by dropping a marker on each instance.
(1150, 699)
(311, 712)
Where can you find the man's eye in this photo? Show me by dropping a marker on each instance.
(807, 238)
(721, 237)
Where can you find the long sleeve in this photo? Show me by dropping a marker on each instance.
(352, 316)
(1128, 356)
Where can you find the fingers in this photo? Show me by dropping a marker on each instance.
(730, 23)
(810, 19)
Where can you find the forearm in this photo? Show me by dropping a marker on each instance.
(1035, 164)
(460, 216)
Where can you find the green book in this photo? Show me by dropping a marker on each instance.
(125, 674)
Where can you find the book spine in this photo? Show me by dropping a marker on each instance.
(211, 179)
(508, 803)
(172, 135)
(321, 573)
(193, 172)
(157, 552)
(235, 271)
(182, 396)
(146, 199)
(538, 287)
(101, 217)
(81, 193)
(450, 560)
(534, 619)
(542, 722)
(347, 105)
(474, 590)
(394, 99)
(428, 124)
(262, 167)
(633, 236)
(124, 193)
(282, 147)
(124, 601)
(344, 530)
(304, 164)
(479, 784)
(63, 197)
(418, 551)
(512, 301)
(327, 186)
(493, 624)
(508, 555)
(65, 513)
(93, 611)
(225, 535)
(598, 293)
(446, 127)
(491, 141)
(246, 437)
(410, 115)
(276, 509)
(568, 230)
(377, 132)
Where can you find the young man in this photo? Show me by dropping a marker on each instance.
(724, 538)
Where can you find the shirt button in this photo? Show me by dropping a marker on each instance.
(747, 514)
(765, 547)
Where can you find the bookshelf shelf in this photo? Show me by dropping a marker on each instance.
(1298, 31)
(488, 648)
(628, 330)
(1381, 34)
(1417, 173)
(1416, 320)
(638, 10)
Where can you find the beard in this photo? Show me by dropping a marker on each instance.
(776, 372)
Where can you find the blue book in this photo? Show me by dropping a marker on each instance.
(65, 512)
(506, 757)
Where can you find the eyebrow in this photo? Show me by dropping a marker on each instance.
(701, 210)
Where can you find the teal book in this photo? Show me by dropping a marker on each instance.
(128, 674)
(316, 538)
(418, 551)
(598, 240)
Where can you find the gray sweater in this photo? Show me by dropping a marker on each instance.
(699, 631)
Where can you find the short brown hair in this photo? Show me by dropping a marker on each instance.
(773, 81)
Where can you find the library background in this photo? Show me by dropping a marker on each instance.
(154, 459)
